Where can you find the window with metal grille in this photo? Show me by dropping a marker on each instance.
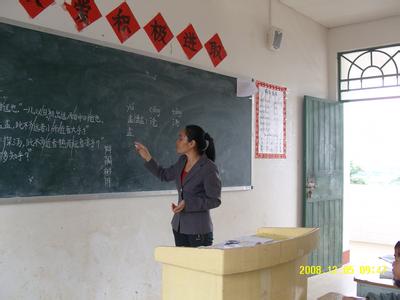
(369, 74)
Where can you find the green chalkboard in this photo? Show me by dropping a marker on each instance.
(70, 111)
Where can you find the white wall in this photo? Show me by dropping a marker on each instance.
(103, 249)
(353, 37)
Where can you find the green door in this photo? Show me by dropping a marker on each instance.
(323, 178)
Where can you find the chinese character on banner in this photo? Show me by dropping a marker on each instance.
(215, 49)
(35, 7)
(84, 12)
(189, 41)
(158, 32)
(123, 22)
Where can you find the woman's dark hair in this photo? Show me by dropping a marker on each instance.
(397, 245)
(204, 142)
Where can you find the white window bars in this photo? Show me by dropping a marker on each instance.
(369, 74)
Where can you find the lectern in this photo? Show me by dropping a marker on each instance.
(267, 271)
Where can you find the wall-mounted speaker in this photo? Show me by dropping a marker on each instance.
(275, 37)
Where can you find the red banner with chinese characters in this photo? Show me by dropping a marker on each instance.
(215, 49)
(35, 7)
(158, 32)
(123, 22)
(189, 41)
(83, 12)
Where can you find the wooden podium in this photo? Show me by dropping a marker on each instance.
(267, 271)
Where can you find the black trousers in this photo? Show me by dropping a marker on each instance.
(192, 240)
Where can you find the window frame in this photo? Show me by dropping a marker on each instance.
(370, 50)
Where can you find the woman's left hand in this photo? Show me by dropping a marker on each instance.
(396, 270)
(178, 208)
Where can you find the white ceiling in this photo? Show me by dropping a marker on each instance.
(333, 13)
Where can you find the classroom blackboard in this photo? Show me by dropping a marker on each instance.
(70, 111)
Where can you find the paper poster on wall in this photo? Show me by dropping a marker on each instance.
(123, 22)
(83, 13)
(158, 31)
(215, 49)
(270, 121)
(189, 41)
(33, 8)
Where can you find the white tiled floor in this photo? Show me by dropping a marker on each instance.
(361, 254)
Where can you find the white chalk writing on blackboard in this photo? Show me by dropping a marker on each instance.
(107, 165)
(148, 117)
(176, 117)
(44, 128)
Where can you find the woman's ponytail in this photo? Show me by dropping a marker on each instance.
(204, 142)
(210, 148)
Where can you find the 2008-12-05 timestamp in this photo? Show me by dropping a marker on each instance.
(345, 270)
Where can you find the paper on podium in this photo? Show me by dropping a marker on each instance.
(388, 258)
(386, 275)
(244, 241)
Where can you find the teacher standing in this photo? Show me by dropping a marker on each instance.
(197, 181)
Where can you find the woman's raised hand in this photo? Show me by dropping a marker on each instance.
(143, 151)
